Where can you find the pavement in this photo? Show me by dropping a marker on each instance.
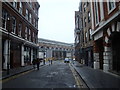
(18, 70)
(95, 78)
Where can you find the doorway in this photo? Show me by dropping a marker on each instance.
(115, 38)
(100, 50)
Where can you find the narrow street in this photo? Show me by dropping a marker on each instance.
(57, 75)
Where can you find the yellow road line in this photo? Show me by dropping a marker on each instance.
(78, 82)
(15, 76)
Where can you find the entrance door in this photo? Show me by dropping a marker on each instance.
(101, 49)
(116, 51)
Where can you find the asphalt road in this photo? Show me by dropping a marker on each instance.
(57, 75)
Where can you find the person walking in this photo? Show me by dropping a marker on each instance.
(38, 63)
(49, 61)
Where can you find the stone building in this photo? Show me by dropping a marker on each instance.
(19, 33)
(77, 35)
(106, 34)
(58, 50)
(84, 46)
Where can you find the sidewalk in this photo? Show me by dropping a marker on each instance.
(18, 70)
(95, 78)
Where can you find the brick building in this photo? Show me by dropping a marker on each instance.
(19, 33)
(106, 34)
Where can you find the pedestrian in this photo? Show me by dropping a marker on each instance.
(38, 63)
(49, 61)
(34, 62)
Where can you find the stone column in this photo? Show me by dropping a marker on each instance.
(96, 61)
(6, 54)
(22, 55)
(107, 58)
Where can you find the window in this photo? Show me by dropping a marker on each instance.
(96, 12)
(34, 21)
(14, 3)
(36, 24)
(5, 17)
(20, 7)
(19, 29)
(29, 35)
(86, 36)
(81, 23)
(89, 16)
(33, 37)
(77, 22)
(30, 3)
(30, 18)
(111, 5)
(26, 30)
(85, 21)
(84, 7)
(13, 24)
(90, 32)
(87, 3)
(27, 14)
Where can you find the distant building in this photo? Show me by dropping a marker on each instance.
(19, 33)
(55, 49)
(106, 34)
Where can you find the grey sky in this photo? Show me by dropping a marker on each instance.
(56, 19)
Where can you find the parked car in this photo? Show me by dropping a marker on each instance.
(66, 60)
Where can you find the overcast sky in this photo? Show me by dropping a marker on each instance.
(56, 19)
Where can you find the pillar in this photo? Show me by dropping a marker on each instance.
(96, 61)
(22, 55)
(96, 55)
(107, 58)
(32, 55)
(6, 54)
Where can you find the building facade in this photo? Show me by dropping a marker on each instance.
(106, 34)
(77, 35)
(84, 47)
(19, 33)
(55, 49)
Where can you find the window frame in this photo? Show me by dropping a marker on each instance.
(27, 14)
(14, 24)
(20, 7)
(20, 29)
(108, 5)
(96, 13)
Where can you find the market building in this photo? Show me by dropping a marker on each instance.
(55, 49)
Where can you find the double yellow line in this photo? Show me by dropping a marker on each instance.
(15, 76)
(77, 78)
